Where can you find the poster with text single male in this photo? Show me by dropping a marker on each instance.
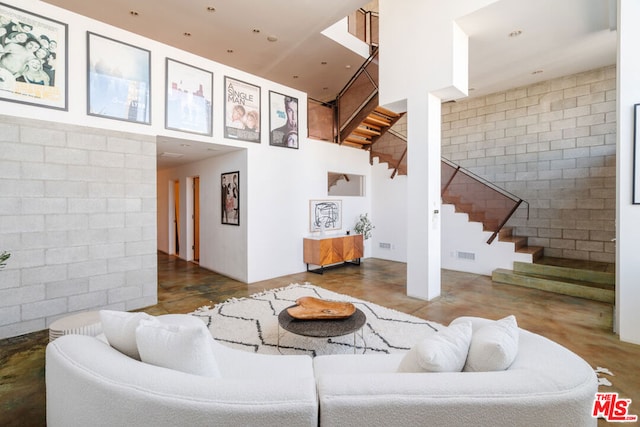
(241, 110)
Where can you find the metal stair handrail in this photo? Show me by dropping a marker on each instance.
(502, 219)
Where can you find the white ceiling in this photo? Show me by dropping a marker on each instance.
(559, 37)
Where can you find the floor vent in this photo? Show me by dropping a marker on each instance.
(469, 256)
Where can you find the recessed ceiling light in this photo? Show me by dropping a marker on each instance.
(186, 34)
(211, 9)
(515, 33)
(272, 38)
(229, 50)
(133, 13)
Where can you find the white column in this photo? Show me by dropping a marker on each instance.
(423, 189)
(627, 316)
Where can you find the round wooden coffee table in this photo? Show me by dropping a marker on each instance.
(322, 328)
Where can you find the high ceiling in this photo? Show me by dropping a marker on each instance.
(556, 37)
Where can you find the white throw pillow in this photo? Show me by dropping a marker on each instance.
(443, 351)
(179, 347)
(119, 327)
(493, 346)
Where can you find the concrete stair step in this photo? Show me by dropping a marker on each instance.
(593, 285)
(578, 274)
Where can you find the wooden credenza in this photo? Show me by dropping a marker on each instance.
(324, 251)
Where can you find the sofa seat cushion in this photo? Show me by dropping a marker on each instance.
(443, 351)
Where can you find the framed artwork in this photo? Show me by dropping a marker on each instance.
(283, 120)
(118, 79)
(325, 215)
(636, 154)
(241, 110)
(33, 59)
(230, 198)
(189, 92)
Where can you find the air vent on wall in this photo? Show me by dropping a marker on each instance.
(469, 256)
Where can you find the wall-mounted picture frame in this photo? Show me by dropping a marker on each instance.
(241, 110)
(188, 99)
(325, 215)
(636, 154)
(33, 59)
(118, 80)
(230, 197)
(283, 120)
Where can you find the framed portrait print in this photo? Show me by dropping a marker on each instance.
(230, 198)
(241, 110)
(189, 92)
(325, 215)
(118, 79)
(33, 59)
(283, 120)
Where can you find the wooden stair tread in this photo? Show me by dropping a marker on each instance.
(386, 112)
(366, 132)
(377, 121)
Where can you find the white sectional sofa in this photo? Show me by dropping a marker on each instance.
(90, 383)
(546, 385)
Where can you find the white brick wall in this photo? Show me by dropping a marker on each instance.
(79, 226)
(553, 145)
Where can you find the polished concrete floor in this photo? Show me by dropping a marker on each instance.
(583, 326)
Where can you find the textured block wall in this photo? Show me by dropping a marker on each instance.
(554, 145)
(78, 214)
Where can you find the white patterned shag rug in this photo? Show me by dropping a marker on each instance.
(251, 324)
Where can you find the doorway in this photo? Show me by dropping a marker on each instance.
(196, 219)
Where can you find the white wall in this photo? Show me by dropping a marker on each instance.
(627, 317)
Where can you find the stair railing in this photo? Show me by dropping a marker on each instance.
(364, 24)
(482, 200)
(358, 97)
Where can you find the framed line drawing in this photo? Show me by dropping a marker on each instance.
(118, 79)
(241, 110)
(636, 154)
(325, 215)
(33, 59)
(189, 94)
(283, 120)
(230, 198)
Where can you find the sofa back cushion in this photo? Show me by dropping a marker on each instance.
(185, 348)
(119, 327)
(494, 346)
(443, 351)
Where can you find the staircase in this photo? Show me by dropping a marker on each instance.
(374, 125)
(584, 282)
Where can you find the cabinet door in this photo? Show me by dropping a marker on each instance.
(353, 247)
